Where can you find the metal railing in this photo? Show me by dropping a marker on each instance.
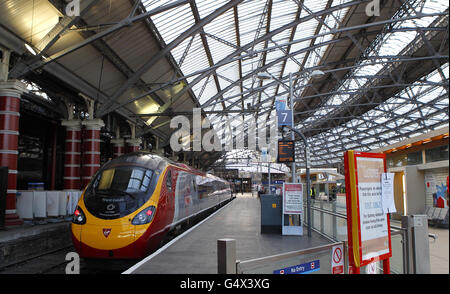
(268, 264)
(332, 224)
(319, 224)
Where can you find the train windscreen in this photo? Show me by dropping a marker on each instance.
(119, 191)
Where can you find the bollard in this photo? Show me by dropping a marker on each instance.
(418, 248)
(226, 256)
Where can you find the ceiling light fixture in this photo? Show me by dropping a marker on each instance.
(30, 49)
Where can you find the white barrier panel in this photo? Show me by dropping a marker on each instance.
(53, 203)
(24, 204)
(73, 197)
(69, 209)
(62, 203)
(40, 204)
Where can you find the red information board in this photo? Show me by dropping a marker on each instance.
(368, 227)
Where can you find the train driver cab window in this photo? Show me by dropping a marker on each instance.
(120, 190)
(169, 181)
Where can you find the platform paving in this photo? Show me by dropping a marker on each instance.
(439, 251)
(196, 252)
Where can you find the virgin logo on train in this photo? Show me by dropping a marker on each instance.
(106, 232)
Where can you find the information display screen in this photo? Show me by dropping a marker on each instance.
(286, 151)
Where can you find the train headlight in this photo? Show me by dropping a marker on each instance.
(78, 216)
(144, 217)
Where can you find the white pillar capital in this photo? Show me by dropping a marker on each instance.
(93, 124)
(72, 124)
(118, 142)
(134, 142)
(13, 88)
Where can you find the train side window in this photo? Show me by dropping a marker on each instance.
(169, 181)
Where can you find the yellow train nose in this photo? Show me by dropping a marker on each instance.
(107, 236)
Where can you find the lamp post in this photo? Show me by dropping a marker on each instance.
(315, 74)
(291, 98)
(267, 76)
(308, 178)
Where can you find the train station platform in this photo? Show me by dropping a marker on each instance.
(195, 251)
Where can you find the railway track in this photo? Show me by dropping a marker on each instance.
(49, 262)
(54, 263)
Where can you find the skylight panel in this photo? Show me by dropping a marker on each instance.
(249, 14)
(208, 92)
(206, 7)
(313, 5)
(223, 29)
(273, 55)
(172, 23)
(152, 4)
(195, 47)
(228, 73)
(219, 50)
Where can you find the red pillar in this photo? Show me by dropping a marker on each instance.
(118, 147)
(72, 156)
(91, 149)
(10, 92)
(133, 145)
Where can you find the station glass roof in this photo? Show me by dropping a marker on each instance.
(383, 72)
(419, 106)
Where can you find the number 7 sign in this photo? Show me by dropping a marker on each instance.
(284, 117)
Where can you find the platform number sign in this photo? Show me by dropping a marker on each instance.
(284, 117)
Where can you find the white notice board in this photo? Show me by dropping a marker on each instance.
(292, 209)
(374, 230)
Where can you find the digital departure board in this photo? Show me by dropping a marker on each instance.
(286, 151)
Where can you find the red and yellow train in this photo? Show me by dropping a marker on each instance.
(134, 200)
